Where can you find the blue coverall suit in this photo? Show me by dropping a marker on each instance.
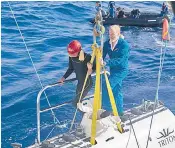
(112, 12)
(118, 64)
(111, 7)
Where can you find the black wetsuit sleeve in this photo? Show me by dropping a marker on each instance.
(88, 59)
(69, 70)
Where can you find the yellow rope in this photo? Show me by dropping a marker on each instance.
(97, 96)
(97, 99)
(112, 100)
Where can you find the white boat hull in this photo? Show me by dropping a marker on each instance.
(162, 133)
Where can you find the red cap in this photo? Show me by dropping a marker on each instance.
(74, 47)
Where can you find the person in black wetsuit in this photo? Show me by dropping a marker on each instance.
(164, 9)
(117, 11)
(121, 14)
(79, 63)
(135, 13)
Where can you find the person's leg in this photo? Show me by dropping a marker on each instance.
(105, 97)
(106, 104)
(88, 87)
(85, 92)
(115, 80)
(117, 91)
(77, 97)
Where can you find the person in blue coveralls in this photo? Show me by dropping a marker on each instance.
(111, 7)
(98, 7)
(118, 51)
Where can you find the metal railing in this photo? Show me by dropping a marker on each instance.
(54, 107)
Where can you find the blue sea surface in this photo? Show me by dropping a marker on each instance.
(47, 28)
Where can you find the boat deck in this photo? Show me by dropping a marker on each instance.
(68, 140)
(78, 139)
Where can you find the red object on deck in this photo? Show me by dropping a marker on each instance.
(165, 31)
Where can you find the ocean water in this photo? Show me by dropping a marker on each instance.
(47, 28)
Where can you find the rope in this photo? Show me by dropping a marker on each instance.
(162, 57)
(129, 136)
(54, 117)
(50, 133)
(102, 44)
(134, 133)
(94, 42)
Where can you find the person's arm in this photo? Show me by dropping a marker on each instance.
(117, 61)
(91, 67)
(69, 70)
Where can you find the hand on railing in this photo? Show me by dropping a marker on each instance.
(61, 81)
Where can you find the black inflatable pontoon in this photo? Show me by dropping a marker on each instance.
(145, 20)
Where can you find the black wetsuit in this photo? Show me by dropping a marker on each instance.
(80, 69)
(121, 14)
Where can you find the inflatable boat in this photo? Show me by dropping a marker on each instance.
(144, 20)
